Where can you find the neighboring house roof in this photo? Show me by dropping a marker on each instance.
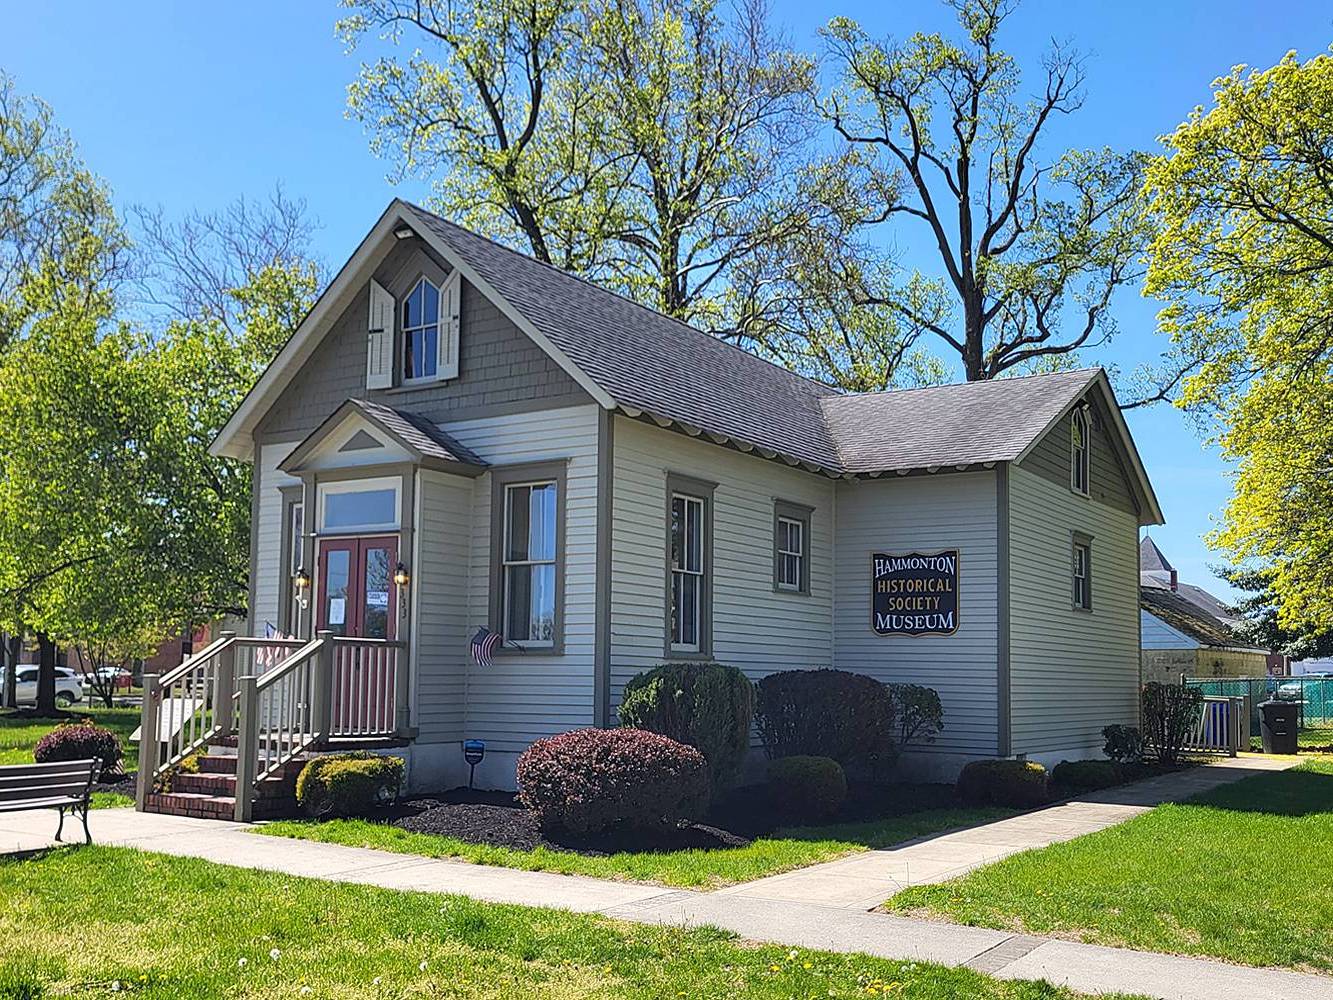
(1151, 558)
(1186, 617)
(631, 358)
(426, 441)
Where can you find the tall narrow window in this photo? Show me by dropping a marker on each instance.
(687, 573)
(1082, 573)
(421, 332)
(1079, 451)
(791, 547)
(295, 527)
(529, 563)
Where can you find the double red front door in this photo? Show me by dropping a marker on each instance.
(356, 589)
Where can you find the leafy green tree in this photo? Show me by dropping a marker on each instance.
(1242, 204)
(1260, 606)
(1031, 248)
(649, 144)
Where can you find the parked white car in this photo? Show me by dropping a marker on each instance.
(68, 688)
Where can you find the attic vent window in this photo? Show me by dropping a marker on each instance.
(421, 332)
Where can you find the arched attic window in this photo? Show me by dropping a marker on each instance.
(1080, 449)
(421, 332)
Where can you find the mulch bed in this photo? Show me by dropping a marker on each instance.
(121, 784)
(495, 818)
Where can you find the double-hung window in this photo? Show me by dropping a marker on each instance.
(791, 548)
(689, 558)
(421, 332)
(528, 561)
(1079, 451)
(1082, 566)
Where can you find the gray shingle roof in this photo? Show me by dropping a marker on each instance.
(418, 433)
(1151, 558)
(651, 362)
(949, 424)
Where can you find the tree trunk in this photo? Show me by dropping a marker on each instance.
(46, 675)
(973, 336)
(13, 647)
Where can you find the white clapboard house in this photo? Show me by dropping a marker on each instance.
(459, 438)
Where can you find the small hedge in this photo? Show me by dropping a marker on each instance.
(81, 741)
(1017, 783)
(348, 784)
(1124, 744)
(1074, 776)
(808, 787)
(591, 780)
(704, 705)
(829, 713)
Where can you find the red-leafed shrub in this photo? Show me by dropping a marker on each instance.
(591, 780)
(81, 741)
(826, 713)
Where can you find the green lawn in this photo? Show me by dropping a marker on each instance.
(1309, 738)
(164, 927)
(1241, 873)
(785, 850)
(18, 737)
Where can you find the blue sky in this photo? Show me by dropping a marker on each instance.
(187, 105)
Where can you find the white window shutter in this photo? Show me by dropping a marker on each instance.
(450, 320)
(379, 339)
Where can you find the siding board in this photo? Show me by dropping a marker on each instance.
(925, 513)
(269, 575)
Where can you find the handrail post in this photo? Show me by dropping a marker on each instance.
(226, 680)
(247, 747)
(149, 744)
(323, 700)
(401, 703)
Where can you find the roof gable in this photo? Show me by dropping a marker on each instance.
(631, 358)
(364, 433)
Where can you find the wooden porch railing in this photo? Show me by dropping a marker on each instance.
(280, 696)
(1223, 726)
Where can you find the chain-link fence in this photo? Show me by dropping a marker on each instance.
(1313, 694)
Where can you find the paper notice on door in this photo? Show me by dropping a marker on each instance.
(337, 610)
(377, 598)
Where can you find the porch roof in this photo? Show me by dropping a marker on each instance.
(425, 442)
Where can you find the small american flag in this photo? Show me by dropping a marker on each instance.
(271, 656)
(483, 644)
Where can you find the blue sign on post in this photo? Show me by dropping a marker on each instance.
(473, 752)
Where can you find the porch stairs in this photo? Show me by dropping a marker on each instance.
(236, 723)
(210, 793)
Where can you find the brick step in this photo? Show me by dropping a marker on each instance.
(203, 806)
(225, 784)
(215, 763)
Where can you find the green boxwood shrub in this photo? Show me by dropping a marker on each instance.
(1017, 783)
(918, 711)
(807, 787)
(1074, 776)
(705, 705)
(591, 780)
(1170, 713)
(825, 713)
(1124, 744)
(81, 741)
(348, 784)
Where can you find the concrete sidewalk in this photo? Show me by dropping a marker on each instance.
(863, 881)
(798, 923)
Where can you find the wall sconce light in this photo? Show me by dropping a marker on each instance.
(401, 578)
(301, 581)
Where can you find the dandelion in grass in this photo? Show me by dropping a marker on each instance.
(241, 963)
(275, 954)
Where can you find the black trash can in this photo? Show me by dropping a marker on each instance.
(1279, 722)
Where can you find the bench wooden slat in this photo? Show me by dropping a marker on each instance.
(51, 802)
(36, 791)
(52, 768)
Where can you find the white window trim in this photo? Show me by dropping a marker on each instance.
(506, 562)
(362, 486)
(699, 575)
(404, 330)
(1080, 457)
(1085, 546)
(800, 554)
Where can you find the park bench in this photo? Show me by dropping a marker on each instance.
(66, 785)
